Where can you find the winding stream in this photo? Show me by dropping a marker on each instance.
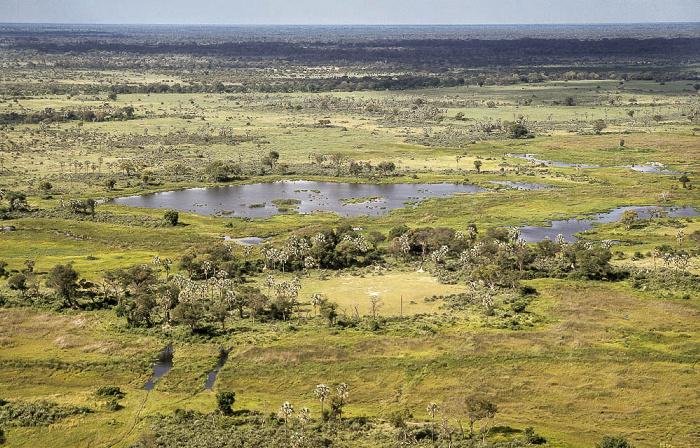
(568, 227)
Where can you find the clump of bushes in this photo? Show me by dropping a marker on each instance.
(40, 413)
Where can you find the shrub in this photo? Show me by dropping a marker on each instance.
(104, 392)
(171, 217)
(614, 442)
(518, 130)
(224, 401)
(532, 438)
(40, 413)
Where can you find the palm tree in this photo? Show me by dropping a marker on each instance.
(322, 391)
(432, 409)
(304, 417)
(316, 300)
(343, 393)
(285, 412)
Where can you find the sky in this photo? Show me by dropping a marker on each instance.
(348, 12)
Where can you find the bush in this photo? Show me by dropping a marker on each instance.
(224, 401)
(171, 217)
(532, 438)
(40, 413)
(518, 130)
(614, 442)
(104, 392)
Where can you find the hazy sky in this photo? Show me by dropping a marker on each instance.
(349, 11)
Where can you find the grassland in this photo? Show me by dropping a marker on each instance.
(601, 357)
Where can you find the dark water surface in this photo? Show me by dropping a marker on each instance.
(163, 364)
(211, 376)
(255, 200)
(568, 227)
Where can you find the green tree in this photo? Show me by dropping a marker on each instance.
(477, 409)
(128, 166)
(386, 167)
(18, 282)
(684, 179)
(109, 184)
(171, 217)
(16, 200)
(64, 280)
(399, 420)
(225, 400)
(188, 313)
(629, 217)
(45, 186)
(599, 125)
(518, 130)
(477, 164)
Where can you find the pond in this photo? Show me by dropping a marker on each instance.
(163, 364)
(651, 168)
(263, 200)
(568, 227)
(211, 376)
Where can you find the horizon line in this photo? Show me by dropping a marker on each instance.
(355, 24)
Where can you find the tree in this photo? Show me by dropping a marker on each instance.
(225, 400)
(518, 130)
(64, 280)
(629, 217)
(304, 417)
(45, 186)
(322, 391)
(680, 236)
(188, 313)
(684, 179)
(18, 282)
(614, 442)
(285, 412)
(343, 393)
(329, 310)
(109, 184)
(478, 409)
(17, 200)
(171, 217)
(386, 167)
(432, 409)
(599, 125)
(569, 101)
(128, 166)
(220, 171)
(398, 419)
(477, 165)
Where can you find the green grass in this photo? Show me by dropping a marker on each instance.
(602, 359)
